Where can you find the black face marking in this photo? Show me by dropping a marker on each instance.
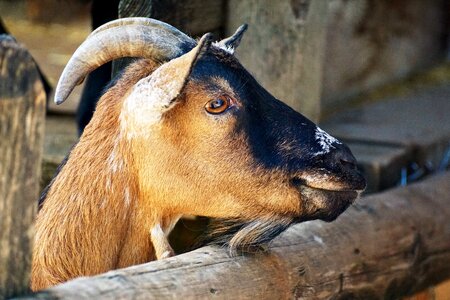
(279, 138)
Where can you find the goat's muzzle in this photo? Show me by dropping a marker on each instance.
(331, 186)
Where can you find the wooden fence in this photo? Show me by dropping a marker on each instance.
(386, 246)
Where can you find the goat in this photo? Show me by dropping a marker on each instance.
(185, 130)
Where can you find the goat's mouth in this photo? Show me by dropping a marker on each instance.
(323, 204)
(250, 235)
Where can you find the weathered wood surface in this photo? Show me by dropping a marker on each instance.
(22, 113)
(371, 42)
(384, 247)
(391, 136)
(284, 47)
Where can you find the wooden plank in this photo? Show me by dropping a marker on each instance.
(22, 113)
(387, 246)
(284, 47)
(391, 136)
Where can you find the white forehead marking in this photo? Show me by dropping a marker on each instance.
(325, 141)
(224, 47)
(148, 100)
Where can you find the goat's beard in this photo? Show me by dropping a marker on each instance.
(243, 236)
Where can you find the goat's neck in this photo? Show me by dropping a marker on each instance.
(147, 225)
(95, 218)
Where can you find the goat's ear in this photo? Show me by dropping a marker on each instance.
(156, 93)
(231, 43)
(172, 76)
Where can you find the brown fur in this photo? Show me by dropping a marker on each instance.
(67, 246)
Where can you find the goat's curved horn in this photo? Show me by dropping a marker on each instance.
(234, 40)
(128, 37)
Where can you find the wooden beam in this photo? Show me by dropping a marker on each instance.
(22, 117)
(386, 246)
(284, 48)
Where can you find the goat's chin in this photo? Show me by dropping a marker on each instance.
(246, 236)
(326, 205)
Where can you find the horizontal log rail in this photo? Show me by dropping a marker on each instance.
(386, 246)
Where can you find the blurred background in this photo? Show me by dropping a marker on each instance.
(374, 73)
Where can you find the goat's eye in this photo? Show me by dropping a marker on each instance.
(218, 105)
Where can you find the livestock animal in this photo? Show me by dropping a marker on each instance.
(185, 130)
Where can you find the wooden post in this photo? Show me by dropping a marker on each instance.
(284, 47)
(22, 117)
(386, 246)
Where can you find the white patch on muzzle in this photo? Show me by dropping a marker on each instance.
(325, 141)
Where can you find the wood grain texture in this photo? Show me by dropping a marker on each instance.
(22, 113)
(284, 48)
(134, 8)
(386, 246)
(371, 43)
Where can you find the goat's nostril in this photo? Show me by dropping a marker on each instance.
(349, 163)
(345, 158)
